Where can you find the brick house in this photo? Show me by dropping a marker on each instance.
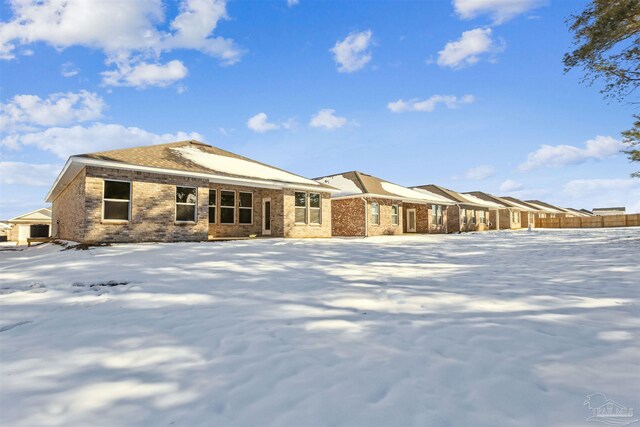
(183, 191)
(509, 216)
(29, 225)
(545, 210)
(369, 206)
(529, 212)
(465, 213)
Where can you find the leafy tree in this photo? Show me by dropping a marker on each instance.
(607, 46)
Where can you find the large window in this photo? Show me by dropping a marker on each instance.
(245, 213)
(315, 208)
(483, 217)
(463, 213)
(436, 214)
(186, 198)
(301, 207)
(474, 214)
(375, 213)
(212, 206)
(116, 200)
(395, 216)
(227, 207)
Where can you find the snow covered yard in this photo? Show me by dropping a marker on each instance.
(493, 329)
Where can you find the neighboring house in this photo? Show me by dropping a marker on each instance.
(466, 213)
(30, 225)
(586, 212)
(183, 191)
(608, 211)
(5, 227)
(514, 214)
(546, 210)
(578, 213)
(529, 212)
(369, 206)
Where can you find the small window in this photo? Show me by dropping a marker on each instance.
(245, 213)
(301, 207)
(473, 216)
(227, 207)
(116, 200)
(315, 208)
(395, 217)
(212, 206)
(375, 213)
(186, 198)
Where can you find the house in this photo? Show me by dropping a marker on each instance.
(183, 191)
(466, 213)
(528, 212)
(513, 214)
(32, 224)
(5, 227)
(369, 206)
(608, 211)
(546, 210)
(586, 212)
(578, 213)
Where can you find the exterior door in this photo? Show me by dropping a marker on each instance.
(266, 217)
(411, 220)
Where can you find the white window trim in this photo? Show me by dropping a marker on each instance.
(235, 203)
(240, 207)
(117, 200)
(373, 214)
(214, 206)
(306, 208)
(396, 215)
(195, 205)
(319, 208)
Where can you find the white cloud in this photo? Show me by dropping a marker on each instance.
(598, 148)
(327, 119)
(23, 112)
(470, 48)
(499, 10)
(479, 173)
(133, 29)
(291, 3)
(64, 142)
(583, 187)
(68, 69)
(260, 123)
(352, 53)
(142, 75)
(510, 186)
(28, 174)
(428, 105)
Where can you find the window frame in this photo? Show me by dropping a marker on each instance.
(305, 207)
(463, 213)
(396, 215)
(474, 217)
(319, 208)
(117, 200)
(375, 214)
(245, 208)
(235, 203)
(195, 206)
(214, 206)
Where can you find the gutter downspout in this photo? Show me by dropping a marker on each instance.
(366, 217)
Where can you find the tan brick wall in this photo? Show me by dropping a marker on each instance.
(291, 229)
(152, 208)
(455, 223)
(243, 230)
(347, 217)
(385, 228)
(68, 210)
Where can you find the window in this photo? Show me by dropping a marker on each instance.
(395, 217)
(227, 207)
(301, 207)
(439, 215)
(315, 208)
(473, 217)
(212, 206)
(245, 213)
(483, 217)
(375, 213)
(463, 213)
(116, 200)
(186, 204)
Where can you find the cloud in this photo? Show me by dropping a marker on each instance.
(583, 187)
(142, 75)
(24, 112)
(28, 173)
(291, 3)
(557, 156)
(327, 119)
(499, 10)
(470, 48)
(64, 142)
(352, 53)
(132, 34)
(478, 173)
(510, 186)
(428, 105)
(68, 69)
(260, 123)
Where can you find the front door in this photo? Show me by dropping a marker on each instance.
(411, 220)
(266, 217)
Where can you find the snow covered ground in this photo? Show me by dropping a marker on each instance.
(493, 329)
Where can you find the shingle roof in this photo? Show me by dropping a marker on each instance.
(546, 205)
(451, 195)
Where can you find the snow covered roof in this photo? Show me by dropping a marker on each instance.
(545, 206)
(39, 215)
(188, 158)
(519, 203)
(450, 195)
(482, 202)
(356, 183)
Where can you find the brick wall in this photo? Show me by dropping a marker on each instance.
(68, 210)
(292, 229)
(385, 228)
(347, 217)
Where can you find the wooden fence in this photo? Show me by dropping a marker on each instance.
(632, 220)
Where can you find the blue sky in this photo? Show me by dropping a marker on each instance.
(469, 94)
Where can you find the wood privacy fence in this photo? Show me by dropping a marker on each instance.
(590, 222)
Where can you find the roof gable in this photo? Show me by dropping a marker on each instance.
(42, 214)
